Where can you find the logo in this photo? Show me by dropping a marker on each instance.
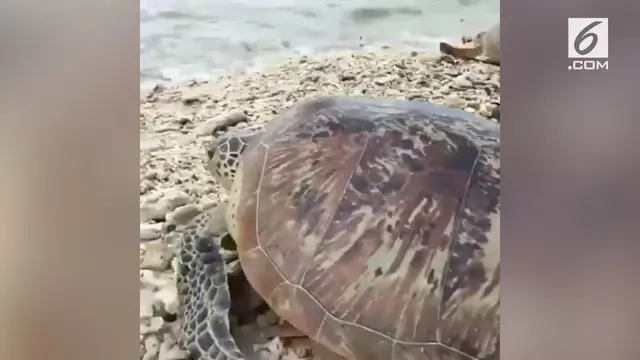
(588, 43)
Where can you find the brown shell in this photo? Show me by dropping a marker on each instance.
(373, 226)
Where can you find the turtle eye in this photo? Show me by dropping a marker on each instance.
(210, 153)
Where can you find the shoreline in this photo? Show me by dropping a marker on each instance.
(273, 62)
(177, 119)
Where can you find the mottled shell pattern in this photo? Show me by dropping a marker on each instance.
(373, 226)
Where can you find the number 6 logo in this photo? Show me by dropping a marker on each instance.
(584, 35)
(588, 38)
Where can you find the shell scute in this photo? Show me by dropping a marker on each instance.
(471, 300)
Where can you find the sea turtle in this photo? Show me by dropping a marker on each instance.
(370, 225)
(485, 46)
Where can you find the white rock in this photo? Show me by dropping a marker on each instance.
(156, 323)
(226, 119)
(173, 238)
(454, 101)
(152, 325)
(146, 304)
(157, 256)
(151, 348)
(183, 214)
(157, 207)
(168, 127)
(275, 347)
(149, 280)
(462, 81)
(172, 353)
(151, 231)
(149, 145)
(169, 349)
(166, 300)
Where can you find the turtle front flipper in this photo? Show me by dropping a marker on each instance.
(203, 292)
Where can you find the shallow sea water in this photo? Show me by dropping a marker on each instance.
(182, 39)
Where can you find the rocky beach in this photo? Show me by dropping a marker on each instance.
(177, 120)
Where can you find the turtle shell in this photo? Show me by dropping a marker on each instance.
(373, 227)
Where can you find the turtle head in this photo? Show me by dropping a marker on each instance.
(224, 154)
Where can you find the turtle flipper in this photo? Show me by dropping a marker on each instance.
(203, 294)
